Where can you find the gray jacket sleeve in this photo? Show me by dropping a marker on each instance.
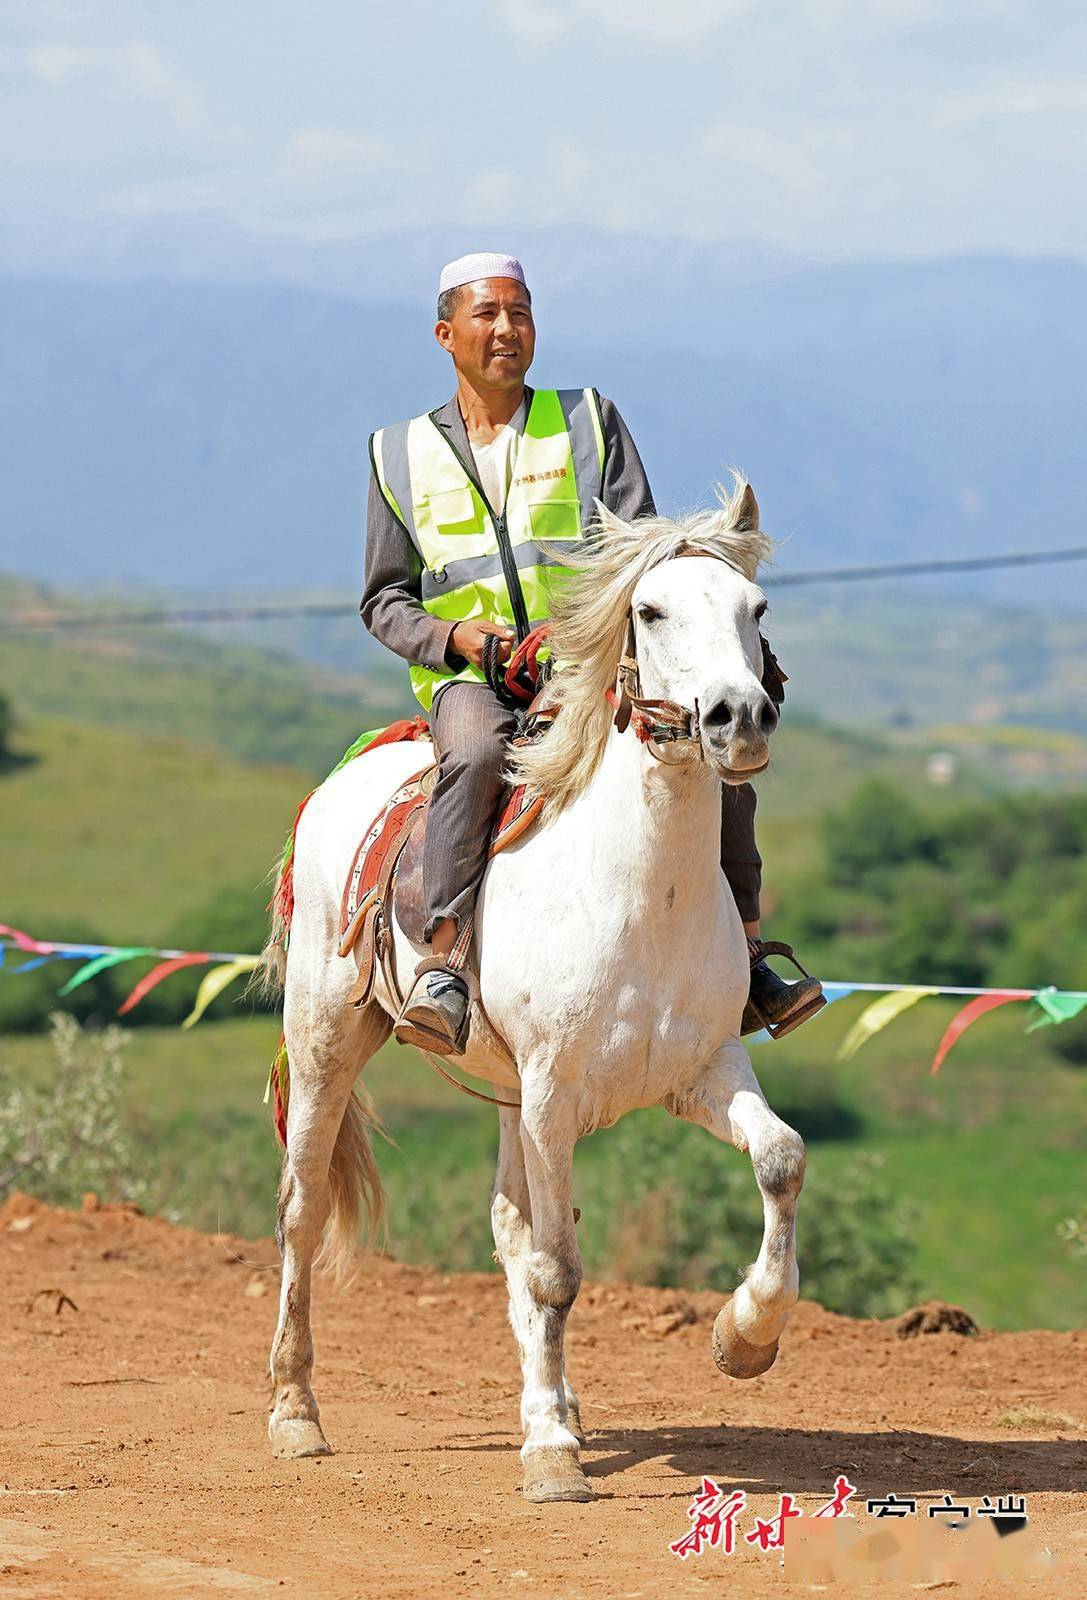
(392, 606)
(626, 489)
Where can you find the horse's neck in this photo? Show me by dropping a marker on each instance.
(654, 829)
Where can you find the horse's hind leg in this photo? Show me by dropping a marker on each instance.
(728, 1101)
(328, 1043)
(511, 1223)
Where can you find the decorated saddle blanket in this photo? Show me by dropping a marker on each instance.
(387, 865)
(389, 856)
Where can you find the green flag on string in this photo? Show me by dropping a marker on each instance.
(1059, 1005)
(112, 958)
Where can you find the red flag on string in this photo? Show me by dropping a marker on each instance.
(23, 941)
(969, 1014)
(163, 970)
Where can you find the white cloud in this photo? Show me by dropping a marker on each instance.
(492, 195)
(786, 162)
(535, 24)
(323, 156)
(134, 71)
(166, 197)
(676, 23)
(1009, 100)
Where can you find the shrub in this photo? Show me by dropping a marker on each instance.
(681, 1208)
(59, 1141)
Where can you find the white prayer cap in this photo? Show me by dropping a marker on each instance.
(467, 269)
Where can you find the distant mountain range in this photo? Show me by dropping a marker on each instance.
(213, 433)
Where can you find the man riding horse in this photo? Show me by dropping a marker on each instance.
(464, 504)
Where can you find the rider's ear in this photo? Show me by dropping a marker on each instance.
(608, 522)
(747, 514)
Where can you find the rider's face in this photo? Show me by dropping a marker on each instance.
(491, 335)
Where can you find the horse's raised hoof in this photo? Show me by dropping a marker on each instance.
(732, 1353)
(554, 1474)
(295, 1437)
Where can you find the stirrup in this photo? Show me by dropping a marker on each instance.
(759, 949)
(424, 1038)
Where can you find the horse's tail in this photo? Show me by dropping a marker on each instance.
(355, 1183)
(271, 974)
(270, 977)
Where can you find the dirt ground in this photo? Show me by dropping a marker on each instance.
(135, 1459)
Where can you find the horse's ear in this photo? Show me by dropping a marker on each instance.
(608, 522)
(747, 513)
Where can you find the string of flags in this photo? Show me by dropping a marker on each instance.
(226, 966)
(1050, 1006)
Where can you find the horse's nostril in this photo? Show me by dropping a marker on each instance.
(718, 717)
(766, 718)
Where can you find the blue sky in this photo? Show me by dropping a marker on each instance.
(837, 128)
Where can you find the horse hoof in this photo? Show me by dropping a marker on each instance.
(553, 1474)
(295, 1437)
(732, 1353)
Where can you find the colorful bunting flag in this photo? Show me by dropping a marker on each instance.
(975, 1008)
(1058, 1006)
(877, 1015)
(23, 940)
(195, 958)
(111, 958)
(37, 961)
(213, 984)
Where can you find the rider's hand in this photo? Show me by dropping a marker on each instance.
(467, 640)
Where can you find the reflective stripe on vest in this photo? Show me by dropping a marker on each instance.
(558, 473)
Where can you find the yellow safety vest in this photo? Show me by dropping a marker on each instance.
(476, 563)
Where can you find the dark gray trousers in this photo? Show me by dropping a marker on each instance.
(470, 726)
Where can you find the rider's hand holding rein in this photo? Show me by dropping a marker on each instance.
(467, 640)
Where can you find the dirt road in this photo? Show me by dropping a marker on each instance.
(135, 1461)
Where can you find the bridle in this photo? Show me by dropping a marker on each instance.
(652, 721)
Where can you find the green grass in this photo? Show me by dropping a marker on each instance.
(988, 1154)
(131, 832)
(146, 800)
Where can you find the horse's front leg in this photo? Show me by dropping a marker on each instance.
(728, 1101)
(551, 1279)
(511, 1223)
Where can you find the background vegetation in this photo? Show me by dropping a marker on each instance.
(139, 815)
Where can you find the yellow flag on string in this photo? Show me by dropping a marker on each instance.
(876, 1016)
(214, 982)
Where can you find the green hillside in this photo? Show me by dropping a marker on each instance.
(251, 704)
(113, 821)
(131, 832)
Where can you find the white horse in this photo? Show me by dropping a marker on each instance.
(613, 969)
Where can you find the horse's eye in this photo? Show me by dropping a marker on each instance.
(760, 610)
(649, 614)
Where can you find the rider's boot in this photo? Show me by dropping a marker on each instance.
(435, 1015)
(773, 1004)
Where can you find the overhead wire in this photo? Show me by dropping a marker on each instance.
(174, 616)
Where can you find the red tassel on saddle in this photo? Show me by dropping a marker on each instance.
(281, 904)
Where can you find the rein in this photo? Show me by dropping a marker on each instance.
(653, 721)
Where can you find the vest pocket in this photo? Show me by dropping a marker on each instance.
(554, 519)
(453, 512)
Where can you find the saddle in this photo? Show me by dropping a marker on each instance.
(387, 870)
(386, 875)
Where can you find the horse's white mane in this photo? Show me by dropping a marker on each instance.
(589, 625)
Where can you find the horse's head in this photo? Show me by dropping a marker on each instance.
(686, 591)
(696, 632)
